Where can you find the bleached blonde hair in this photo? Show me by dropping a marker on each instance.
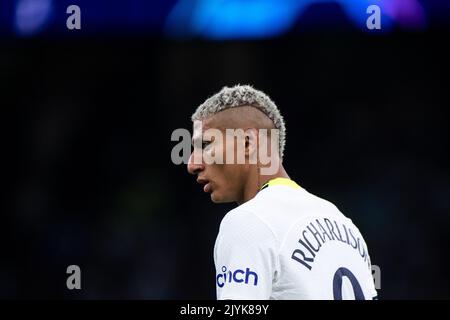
(243, 95)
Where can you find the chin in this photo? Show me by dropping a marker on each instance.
(217, 198)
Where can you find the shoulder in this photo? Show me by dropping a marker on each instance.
(242, 222)
(243, 217)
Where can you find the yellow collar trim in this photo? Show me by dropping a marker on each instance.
(281, 182)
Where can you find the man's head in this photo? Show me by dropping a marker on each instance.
(239, 107)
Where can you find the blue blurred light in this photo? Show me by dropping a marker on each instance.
(32, 15)
(217, 19)
(234, 19)
(249, 19)
(223, 19)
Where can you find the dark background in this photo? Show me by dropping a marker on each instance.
(89, 180)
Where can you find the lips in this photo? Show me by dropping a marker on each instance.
(206, 184)
(207, 187)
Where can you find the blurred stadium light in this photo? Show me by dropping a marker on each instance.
(215, 19)
(231, 19)
(32, 15)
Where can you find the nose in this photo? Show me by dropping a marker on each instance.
(194, 168)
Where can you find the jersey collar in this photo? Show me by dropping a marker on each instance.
(281, 182)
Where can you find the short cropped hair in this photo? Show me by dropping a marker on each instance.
(243, 95)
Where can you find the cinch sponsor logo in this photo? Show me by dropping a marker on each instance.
(238, 276)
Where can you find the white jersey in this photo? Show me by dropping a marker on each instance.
(286, 243)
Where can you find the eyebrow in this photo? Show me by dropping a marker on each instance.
(202, 139)
(194, 140)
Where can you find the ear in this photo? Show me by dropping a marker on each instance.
(251, 144)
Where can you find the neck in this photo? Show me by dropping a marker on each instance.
(255, 181)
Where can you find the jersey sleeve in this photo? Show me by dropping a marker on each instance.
(245, 256)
